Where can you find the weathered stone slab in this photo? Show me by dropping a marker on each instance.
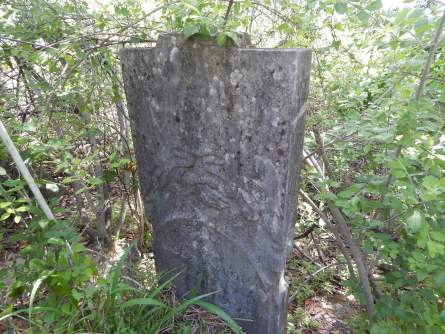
(218, 134)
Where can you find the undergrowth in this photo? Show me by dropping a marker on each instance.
(56, 289)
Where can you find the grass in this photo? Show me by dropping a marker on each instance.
(116, 305)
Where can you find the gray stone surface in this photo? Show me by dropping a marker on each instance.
(218, 134)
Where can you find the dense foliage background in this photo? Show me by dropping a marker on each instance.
(372, 204)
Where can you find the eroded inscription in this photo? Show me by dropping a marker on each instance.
(218, 135)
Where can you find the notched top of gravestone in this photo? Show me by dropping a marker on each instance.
(176, 39)
(171, 40)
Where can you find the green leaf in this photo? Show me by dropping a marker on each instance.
(233, 36)
(336, 44)
(375, 5)
(182, 307)
(12, 314)
(284, 28)
(434, 248)
(350, 191)
(430, 182)
(43, 223)
(422, 236)
(190, 29)
(52, 187)
(94, 181)
(2, 171)
(143, 301)
(35, 287)
(421, 27)
(36, 264)
(341, 7)
(401, 15)
(393, 43)
(23, 208)
(191, 7)
(363, 16)
(204, 31)
(77, 295)
(5, 216)
(433, 188)
(27, 250)
(421, 275)
(221, 314)
(383, 328)
(221, 39)
(417, 12)
(124, 11)
(438, 236)
(4, 205)
(415, 221)
(110, 175)
(55, 241)
(439, 279)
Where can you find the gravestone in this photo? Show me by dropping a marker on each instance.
(218, 134)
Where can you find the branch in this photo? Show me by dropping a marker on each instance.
(226, 17)
(341, 227)
(307, 232)
(25, 172)
(333, 229)
(430, 58)
(422, 81)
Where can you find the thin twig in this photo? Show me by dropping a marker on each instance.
(226, 17)
(338, 240)
(310, 277)
(307, 232)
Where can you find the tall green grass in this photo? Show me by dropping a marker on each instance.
(114, 306)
